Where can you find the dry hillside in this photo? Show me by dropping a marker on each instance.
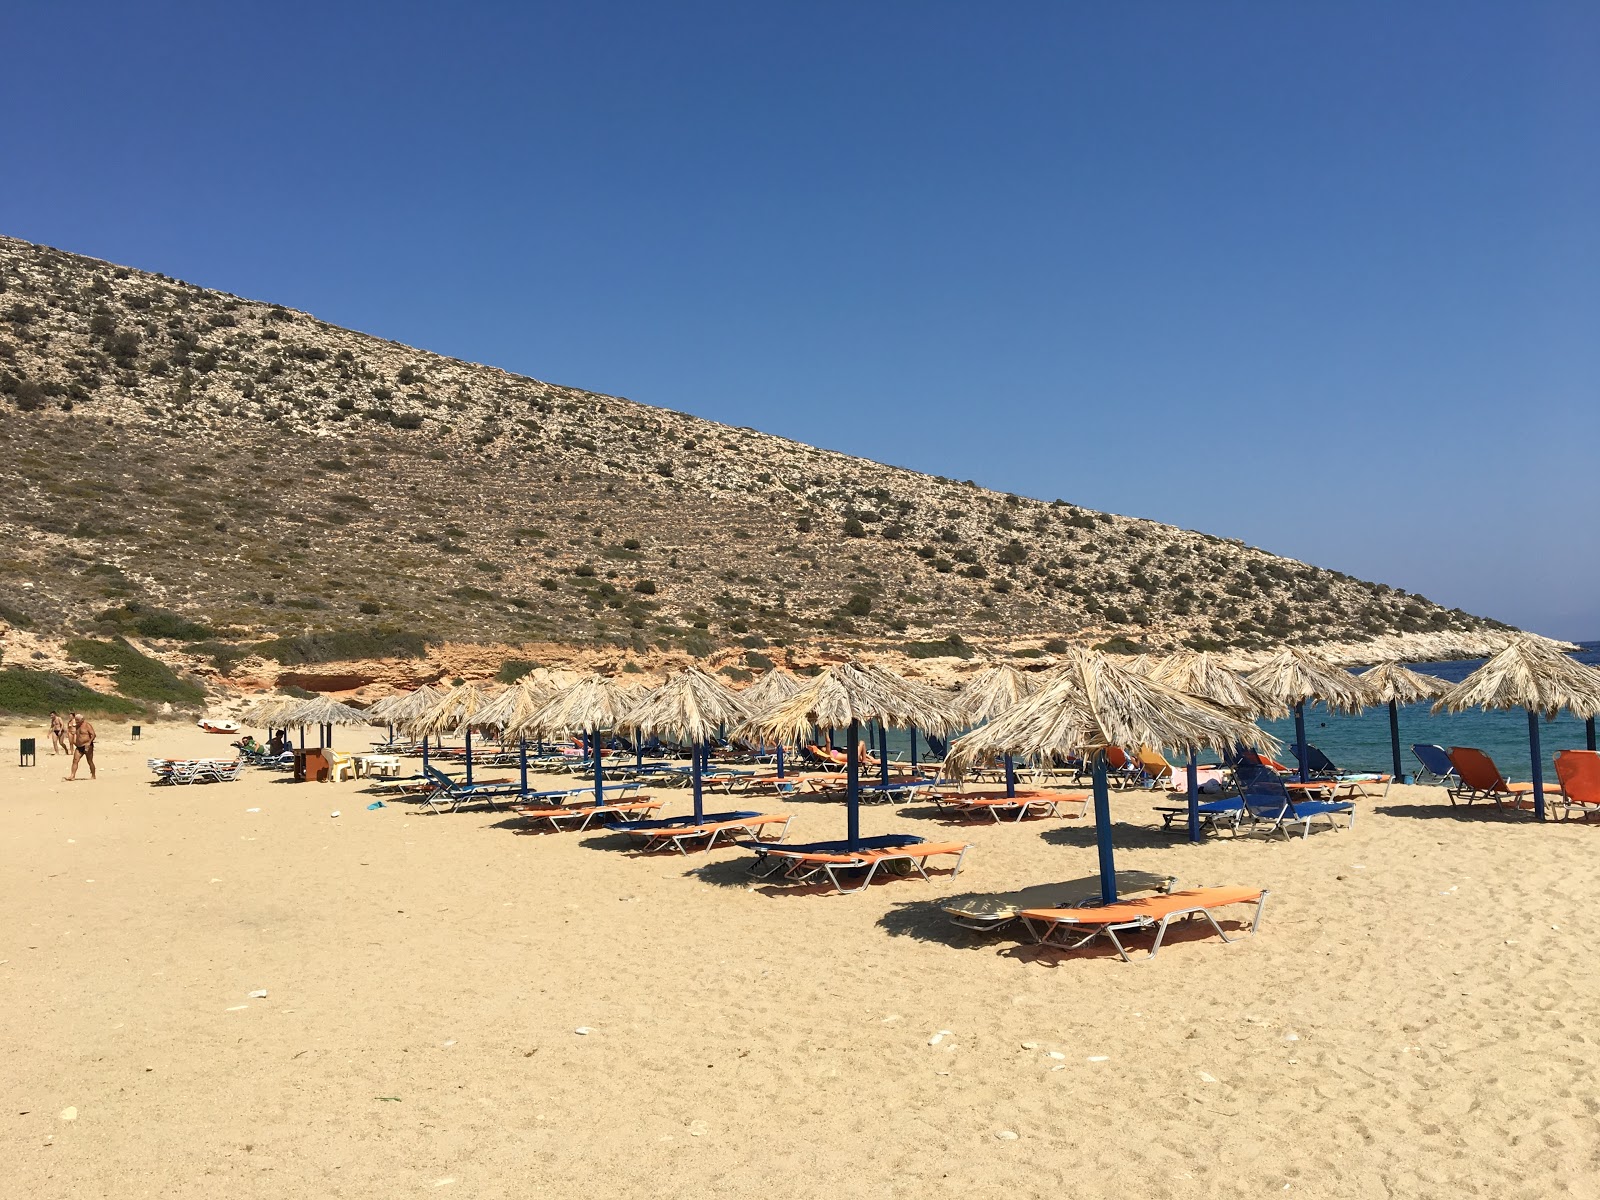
(187, 466)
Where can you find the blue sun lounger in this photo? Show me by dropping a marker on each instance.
(1436, 765)
(449, 794)
(1268, 801)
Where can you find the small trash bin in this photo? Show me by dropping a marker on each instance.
(30, 750)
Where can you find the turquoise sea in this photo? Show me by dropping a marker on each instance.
(1361, 743)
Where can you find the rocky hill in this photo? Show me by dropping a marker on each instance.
(235, 477)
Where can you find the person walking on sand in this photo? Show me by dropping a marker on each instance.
(58, 734)
(82, 746)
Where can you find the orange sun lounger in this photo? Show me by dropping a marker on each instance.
(804, 866)
(1074, 927)
(681, 837)
(1028, 802)
(1579, 773)
(1481, 780)
(581, 816)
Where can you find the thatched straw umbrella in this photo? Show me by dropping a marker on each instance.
(452, 712)
(1393, 684)
(400, 709)
(324, 714)
(994, 690)
(1091, 704)
(847, 696)
(269, 710)
(776, 685)
(511, 708)
(588, 706)
(691, 708)
(1530, 674)
(1201, 676)
(1293, 676)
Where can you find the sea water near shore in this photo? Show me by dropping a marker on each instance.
(1361, 743)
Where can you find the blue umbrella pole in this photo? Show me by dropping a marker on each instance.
(699, 807)
(1102, 831)
(1300, 737)
(424, 753)
(1538, 765)
(1194, 796)
(302, 737)
(914, 748)
(599, 785)
(1011, 778)
(522, 756)
(883, 754)
(1588, 729)
(780, 758)
(469, 754)
(852, 785)
(1394, 741)
(638, 750)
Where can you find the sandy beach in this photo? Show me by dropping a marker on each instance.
(1418, 1016)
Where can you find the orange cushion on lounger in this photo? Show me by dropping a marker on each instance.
(1152, 907)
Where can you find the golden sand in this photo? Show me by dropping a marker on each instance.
(1418, 1017)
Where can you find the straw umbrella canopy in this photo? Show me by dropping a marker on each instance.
(591, 704)
(994, 690)
(691, 708)
(1198, 674)
(847, 696)
(453, 711)
(1294, 676)
(511, 708)
(270, 710)
(1091, 704)
(1393, 684)
(1529, 674)
(324, 713)
(766, 692)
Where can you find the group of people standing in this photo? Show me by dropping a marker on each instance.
(74, 736)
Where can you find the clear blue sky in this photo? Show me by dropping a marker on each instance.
(1322, 277)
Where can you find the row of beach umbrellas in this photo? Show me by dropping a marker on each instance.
(1078, 709)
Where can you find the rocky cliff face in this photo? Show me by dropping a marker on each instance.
(213, 473)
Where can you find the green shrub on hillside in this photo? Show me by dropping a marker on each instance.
(337, 644)
(950, 647)
(29, 693)
(138, 677)
(513, 669)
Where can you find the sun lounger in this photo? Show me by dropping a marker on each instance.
(561, 817)
(1028, 802)
(449, 794)
(896, 789)
(766, 828)
(1227, 811)
(1271, 802)
(1579, 773)
(1158, 772)
(1480, 779)
(991, 913)
(805, 865)
(1075, 927)
(1436, 765)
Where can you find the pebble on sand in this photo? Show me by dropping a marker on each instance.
(69, 1114)
(1006, 1135)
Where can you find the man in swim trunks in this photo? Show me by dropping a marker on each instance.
(82, 745)
(58, 734)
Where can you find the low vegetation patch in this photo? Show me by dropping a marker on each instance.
(25, 692)
(336, 645)
(138, 676)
